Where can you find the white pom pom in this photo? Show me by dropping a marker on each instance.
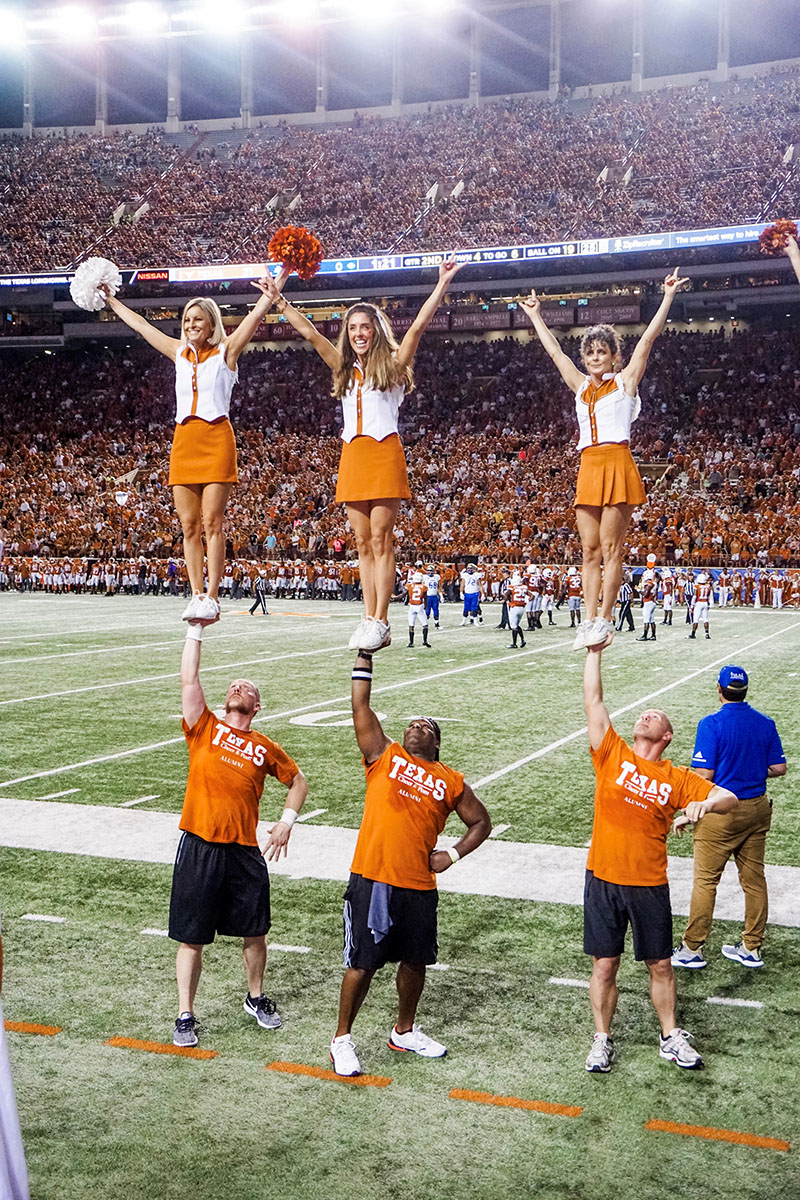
(85, 287)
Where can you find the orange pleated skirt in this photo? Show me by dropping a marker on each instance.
(608, 475)
(372, 470)
(203, 452)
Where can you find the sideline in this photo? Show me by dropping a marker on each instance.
(511, 870)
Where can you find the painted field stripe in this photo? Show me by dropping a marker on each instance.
(439, 967)
(320, 1073)
(27, 1027)
(289, 949)
(570, 737)
(58, 795)
(139, 800)
(155, 932)
(541, 1106)
(101, 687)
(289, 712)
(734, 1002)
(315, 812)
(43, 917)
(580, 983)
(719, 1135)
(498, 829)
(125, 1043)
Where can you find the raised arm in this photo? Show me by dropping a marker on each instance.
(372, 741)
(792, 252)
(409, 344)
(325, 349)
(193, 700)
(632, 374)
(479, 825)
(241, 335)
(572, 377)
(597, 717)
(168, 346)
(279, 834)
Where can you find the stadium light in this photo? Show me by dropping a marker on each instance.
(72, 23)
(225, 16)
(12, 28)
(143, 17)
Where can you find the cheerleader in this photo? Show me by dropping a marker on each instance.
(792, 252)
(372, 374)
(202, 464)
(609, 485)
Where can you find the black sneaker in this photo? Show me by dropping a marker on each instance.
(263, 1009)
(184, 1033)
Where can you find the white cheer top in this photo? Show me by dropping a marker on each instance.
(203, 383)
(368, 411)
(605, 412)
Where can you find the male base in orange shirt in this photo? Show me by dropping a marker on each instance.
(636, 797)
(220, 882)
(391, 900)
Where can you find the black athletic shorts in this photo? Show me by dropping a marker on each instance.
(412, 937)
(608, 908)
(218, 887)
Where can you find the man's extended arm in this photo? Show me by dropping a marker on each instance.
(193, 700)
(372, 741)
(597, 718)
(718, 800)
(479, 825)
(281, 830)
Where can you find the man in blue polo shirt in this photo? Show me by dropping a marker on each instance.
(739, 749)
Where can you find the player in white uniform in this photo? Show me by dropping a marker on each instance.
(702, 600)
(471, 592)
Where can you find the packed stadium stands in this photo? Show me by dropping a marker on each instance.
(702, 156)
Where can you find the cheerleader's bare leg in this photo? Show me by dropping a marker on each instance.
(372, 522)
(602, 533)
(214, 499)
(189, 506)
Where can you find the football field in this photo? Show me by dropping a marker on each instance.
(92, 773)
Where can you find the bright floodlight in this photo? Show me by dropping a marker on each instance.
(12, 29)
(73, 24)
(378, 13)
(143, 17)
(224, 16)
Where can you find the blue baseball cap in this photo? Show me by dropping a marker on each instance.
(735, 677)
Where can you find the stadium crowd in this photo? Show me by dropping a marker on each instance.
(490, 442)
(530, 170)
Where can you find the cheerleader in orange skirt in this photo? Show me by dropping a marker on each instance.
(371, 375)
(202, 464)
(609, 485)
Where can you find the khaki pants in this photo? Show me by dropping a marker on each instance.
(741, 833)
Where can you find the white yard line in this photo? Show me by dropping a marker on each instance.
(577, 983)
(156, 932)
(289, 949)
(43, 917)
(729, 656)
(289, 712)
(140, 800)
(498, 829)
(734, 1002)
(315, 812)
(58, 795)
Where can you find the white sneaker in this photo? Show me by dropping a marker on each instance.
(359, 634)
(207, 610)
(191, 613)
(344, 1057)
(378, 635)
(682, 956)
(580, 642)
(601, 1055)
(598, 632)
(417, 1042)
(675, 1048)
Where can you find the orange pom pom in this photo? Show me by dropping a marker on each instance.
(297, 249)
(774, 238)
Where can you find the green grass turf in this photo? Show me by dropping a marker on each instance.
(103, 1121)
(112, 1122)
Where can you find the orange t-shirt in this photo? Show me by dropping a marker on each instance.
(227, 768)
(634, 802)
(407, 804)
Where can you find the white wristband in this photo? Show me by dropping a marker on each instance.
(194, 633)
(289, 817)
(454, 855)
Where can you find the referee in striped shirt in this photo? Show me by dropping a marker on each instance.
(625, 597)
